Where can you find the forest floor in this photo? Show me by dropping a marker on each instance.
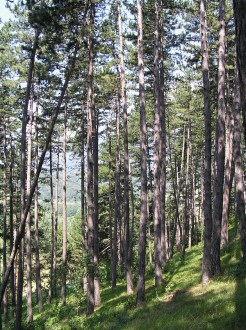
(180, 303)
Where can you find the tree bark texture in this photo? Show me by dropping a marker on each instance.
(128, 257)
(64, 211)
(90, 185)
(219, 153)
(240, 22)
(239, 175)
(143, 177)
(207, 203)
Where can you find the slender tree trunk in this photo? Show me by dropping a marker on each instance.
(83, 215)
(110, 199)
(149, 204)
(239, 180)
(11, 225)
(90, 185)
(132, 235)
(54, 285)
(28, 219)
(18, 318)
(143, 178)
(207, 204)
(187, 175)
(240, 21)
(228, 176)
(96, 247)
(36, 219)
(52, 225)
(157, 156)
(64, 212)
(193, 227)
(128, 257)
(163, 144)
(83, 182)
(219, 154)
(117, 197)
(4, 205)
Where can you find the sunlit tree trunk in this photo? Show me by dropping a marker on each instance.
(96, 247)
(207, 203)
(64, 212)
(128, 257)
(219, 153)
(11, 224)
(36, 218)
(117, 215)
(28, 219)
(52, 225)
(90, 185)
(54, 247)
(157, 156)
(143, 176)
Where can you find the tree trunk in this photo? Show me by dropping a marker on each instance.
(228, 176)
(207, 204)
(240, 21)
(83, 182)
(96, 247)
(90, 185)
(52, 226)
(163, 144)
(83, 215)
(28, 219)
(36, 219)
(4, 205)
(186, 202)
(149, 203)
(239, 180)
(128, 257)
(157, 157)
(110, 198)
(219, 153)
(11, 225)
(54, 285)
(18, 318)
(64, 212)
(143, 178)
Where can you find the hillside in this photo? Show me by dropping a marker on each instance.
(181, 303)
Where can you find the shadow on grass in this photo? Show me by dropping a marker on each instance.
(180, 303)
(240, 297)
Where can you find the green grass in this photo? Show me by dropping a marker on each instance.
(180, 303)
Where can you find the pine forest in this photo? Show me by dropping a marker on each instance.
(122, 164)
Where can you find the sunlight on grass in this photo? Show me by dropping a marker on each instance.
(180, 303)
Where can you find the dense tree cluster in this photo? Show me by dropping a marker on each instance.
(141, 105)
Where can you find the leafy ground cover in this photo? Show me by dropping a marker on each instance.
(180, 303)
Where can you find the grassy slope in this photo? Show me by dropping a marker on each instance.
(181, 303)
